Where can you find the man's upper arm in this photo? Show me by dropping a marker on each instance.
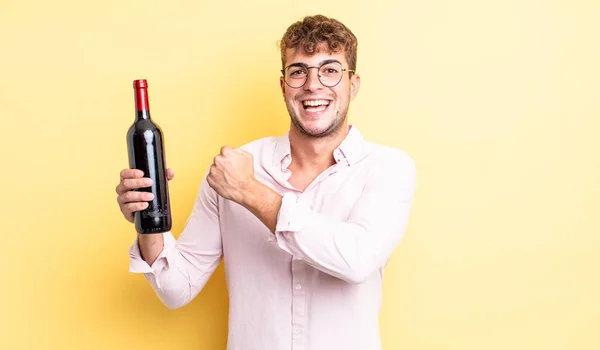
(353, 249)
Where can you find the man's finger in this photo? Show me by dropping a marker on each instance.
(217, 160)
(130, 208)
(135, 196)
(131, 174)
(225, 149)
(242, 152)
(170, 174)
(137, 183)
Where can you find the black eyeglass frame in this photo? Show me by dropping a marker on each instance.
(302, 65)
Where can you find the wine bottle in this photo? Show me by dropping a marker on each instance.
(145, 145)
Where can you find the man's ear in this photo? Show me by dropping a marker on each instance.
(282, 84)
(354, 85)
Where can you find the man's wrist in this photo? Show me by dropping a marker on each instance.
(254, 192)
(263, 202)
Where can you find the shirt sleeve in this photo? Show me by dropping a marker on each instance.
(185, 265)
(356, 248)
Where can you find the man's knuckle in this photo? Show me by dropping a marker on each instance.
(131, 207)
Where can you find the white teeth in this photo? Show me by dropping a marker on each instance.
(314, 103)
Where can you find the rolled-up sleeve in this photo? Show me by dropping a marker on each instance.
(355, 248)
(138, 265)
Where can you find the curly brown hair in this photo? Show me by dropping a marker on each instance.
(312, 31)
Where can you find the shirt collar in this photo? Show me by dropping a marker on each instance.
(351, 150)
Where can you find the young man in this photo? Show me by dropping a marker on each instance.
(305, 222)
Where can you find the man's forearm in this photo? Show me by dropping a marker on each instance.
(150, 246)
(264, 203)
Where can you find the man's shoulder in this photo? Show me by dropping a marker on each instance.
(260, 145)
(388, 154)
(390, 164)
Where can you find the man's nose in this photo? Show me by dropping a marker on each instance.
(312, 80)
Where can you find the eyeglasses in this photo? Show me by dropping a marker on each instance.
(330, 74)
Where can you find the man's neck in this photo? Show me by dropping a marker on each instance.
(314, 154)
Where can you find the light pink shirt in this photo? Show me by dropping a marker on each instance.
(316, 283)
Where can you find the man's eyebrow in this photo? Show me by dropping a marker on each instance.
(302, 64)
(331, 60)
(297, 64)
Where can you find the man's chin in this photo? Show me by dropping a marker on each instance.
(316, 131)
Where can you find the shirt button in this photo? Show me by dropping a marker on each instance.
(297, 287)
(271, 238)
(298, 330)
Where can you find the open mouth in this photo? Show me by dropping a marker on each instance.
(315, 105)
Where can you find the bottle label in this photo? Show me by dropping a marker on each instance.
(155, 212)
(155, 230)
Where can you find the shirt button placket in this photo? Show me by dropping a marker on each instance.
(299, 319)
(337, 155)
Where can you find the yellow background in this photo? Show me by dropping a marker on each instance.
(498, 103)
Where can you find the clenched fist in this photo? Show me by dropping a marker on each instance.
(231, 174)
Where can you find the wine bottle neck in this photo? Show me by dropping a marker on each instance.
(142, 108)
(145, 114)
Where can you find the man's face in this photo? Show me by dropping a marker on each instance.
(315, 109)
